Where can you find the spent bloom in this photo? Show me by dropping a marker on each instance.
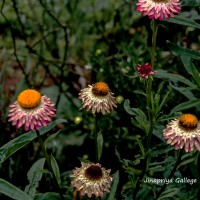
(98, 98)
(183, 132)
(31, 110)
(159, 9)
(91, 179)
(145, 70)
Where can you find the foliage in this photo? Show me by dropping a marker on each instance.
(58, 48)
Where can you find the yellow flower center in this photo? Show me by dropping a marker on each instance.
(100, 89)
(29, 99)
(188, 121)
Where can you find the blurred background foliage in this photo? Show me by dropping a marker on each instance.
(59, 47)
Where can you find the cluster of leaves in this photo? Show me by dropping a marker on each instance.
(61, 46)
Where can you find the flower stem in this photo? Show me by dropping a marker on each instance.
(153, 50)
(148, 97)
(180, 153)
(49, 165)
(96, 137)
(149, 85)
(150, 115)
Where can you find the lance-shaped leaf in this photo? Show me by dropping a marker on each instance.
(183, 51)
(186, 105)
(34, 176)
(12, 191)
(14, 145)
(55, 168)
(184, 21)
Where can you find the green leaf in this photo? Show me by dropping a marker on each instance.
(140, 119)
(34, 177)
(191, 69)
(157, 130)
(171, 192)
(157, 168)
(195, 172)
(186, 91)
(16, 144)
(164, 99)
(186, 105)
(141, 146)
(190, 3)
(44, 171)
(186, 162)
(51, 137)
(99, 145)
(167, 118)
(155, 104)
(12, 191)
(183, 21)
(174, 77)
(127, 108)
(113, 190)
(195, 74)
(48, 195)
(45, 129)
(114, 186)
(118, 155)
(183, 51)
(128, 195)
(143, 193)
(55, 168)
(160, 163)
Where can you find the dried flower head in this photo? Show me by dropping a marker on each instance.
(183, 132)
(31, 110)
(98, 98)
(91, 179)
(145, 70)
(159, 9)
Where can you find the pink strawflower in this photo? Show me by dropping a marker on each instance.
(31, 110)
(145, 70)
(91, 179)
(159, 9)
(183, 132)
(98, 98)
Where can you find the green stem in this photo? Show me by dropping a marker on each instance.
(96, 137)
(48, 160)
(153, 50)
(149, 85)
(150, 116)
(148, 97)
(180, 153)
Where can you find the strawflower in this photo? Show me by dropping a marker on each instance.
(145, 70)
(98, 98)
(159, 9)
(91, 179)
(31, 110)
(183, 132)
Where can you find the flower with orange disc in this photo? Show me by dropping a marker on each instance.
(98, 98)
(31, 110)
(159, 9)
(183, 132)
(91, 179)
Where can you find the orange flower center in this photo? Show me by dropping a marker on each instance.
(160, 1)
(188, 121)
(29, 99)
(100, 89)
